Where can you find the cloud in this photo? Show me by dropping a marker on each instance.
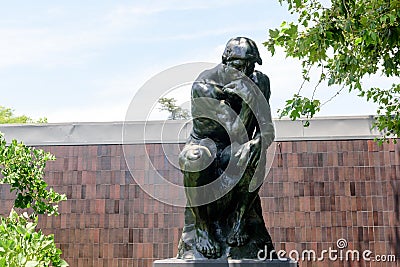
(44, 47)
(124, 15)
(158, 6)
(76, 42)
(49, 42)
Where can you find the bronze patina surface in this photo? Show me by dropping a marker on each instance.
(224, 159)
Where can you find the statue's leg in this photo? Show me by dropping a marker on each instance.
(238, 235)
(246, 199)
(197, 165)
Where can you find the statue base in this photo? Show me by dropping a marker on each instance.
(224, 263)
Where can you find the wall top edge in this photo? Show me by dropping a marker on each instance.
(135, 132)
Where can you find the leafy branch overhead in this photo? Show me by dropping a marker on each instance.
(347, 41)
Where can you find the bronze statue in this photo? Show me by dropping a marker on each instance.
(224, 159)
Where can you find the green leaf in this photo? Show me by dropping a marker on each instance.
(21, 230)
(273, 33)
(63, 263)
(374, 36)
(46, 244)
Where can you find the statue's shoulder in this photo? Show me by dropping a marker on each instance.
(207, 82)
(262, 81)
(211, 75)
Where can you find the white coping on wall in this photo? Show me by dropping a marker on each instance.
(81, 133)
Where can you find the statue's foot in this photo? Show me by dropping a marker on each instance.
(238, 236)
(207, 245)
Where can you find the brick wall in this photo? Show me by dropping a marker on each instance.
(316, 193)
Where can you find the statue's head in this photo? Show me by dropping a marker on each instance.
(241, 53)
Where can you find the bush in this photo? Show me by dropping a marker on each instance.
(21, 245)
(22, 167)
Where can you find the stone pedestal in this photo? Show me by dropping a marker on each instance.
(224, 263)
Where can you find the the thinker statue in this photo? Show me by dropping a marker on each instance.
(224, 159)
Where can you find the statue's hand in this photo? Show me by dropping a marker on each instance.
(251, 147)
(232, 88)
(239, 89)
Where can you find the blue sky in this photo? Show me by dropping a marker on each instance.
(75, 61)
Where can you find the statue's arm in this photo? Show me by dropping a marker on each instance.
(257, 115)
(209, 106)
(265, 128)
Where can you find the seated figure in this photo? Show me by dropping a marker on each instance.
(224, 158)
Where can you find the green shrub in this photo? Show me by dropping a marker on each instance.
(21, 245)
(22, 167)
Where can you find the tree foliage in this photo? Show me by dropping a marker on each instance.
(7, 116)
(347, 41)
(22, 168)
(175, 111)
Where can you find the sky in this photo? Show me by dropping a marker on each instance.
(83, 61)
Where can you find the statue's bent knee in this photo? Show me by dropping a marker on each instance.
(195, 158)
